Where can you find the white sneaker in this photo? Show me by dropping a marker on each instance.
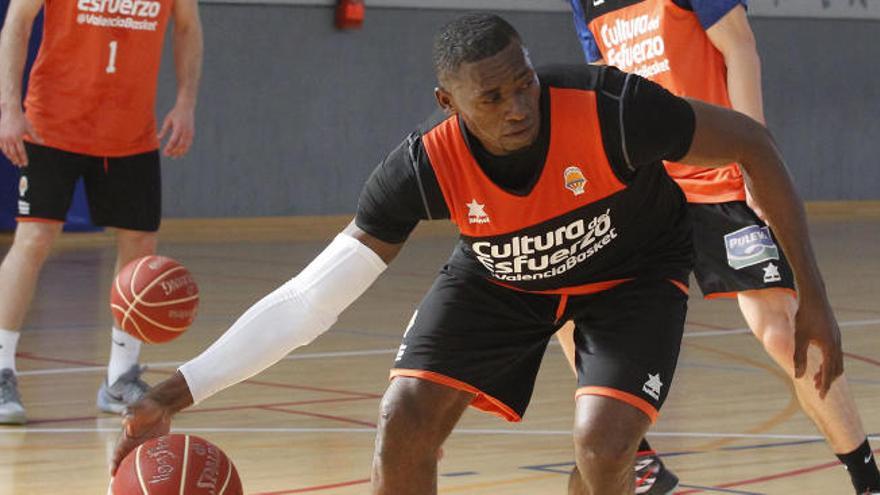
(11, 410)
(126, 390)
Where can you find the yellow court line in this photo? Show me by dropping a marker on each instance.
(780, 417)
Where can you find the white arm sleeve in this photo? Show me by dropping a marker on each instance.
(293, 315)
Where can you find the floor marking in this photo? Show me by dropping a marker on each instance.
(25, 429)
(319, 488)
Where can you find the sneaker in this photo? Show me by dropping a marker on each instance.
(11, 410)
(127, 389)
(652, 477)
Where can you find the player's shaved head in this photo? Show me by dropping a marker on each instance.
(470, 38)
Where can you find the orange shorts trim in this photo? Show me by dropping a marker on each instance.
(481, 401)
(681, 285)
(730, 295)
(37, 220)
(637, 402)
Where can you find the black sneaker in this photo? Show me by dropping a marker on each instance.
(652, 477)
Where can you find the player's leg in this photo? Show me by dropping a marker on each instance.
(415, 418)
(607, 433)
(470, 342)
(770, 314)
(45, 191)
(628, 341)
(736, 255)
(125, 193)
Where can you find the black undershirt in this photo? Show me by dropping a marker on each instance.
(657, 126)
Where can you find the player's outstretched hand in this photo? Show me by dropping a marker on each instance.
(180, 125)
(150, 417)
(143, 420)
(815, 324)
(14, 126)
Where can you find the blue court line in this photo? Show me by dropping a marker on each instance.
(462, 473)
(710, 489)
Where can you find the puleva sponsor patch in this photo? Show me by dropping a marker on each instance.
(750, 246)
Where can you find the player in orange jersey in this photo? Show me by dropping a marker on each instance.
(706, 50)
(555, 181)
(89, 113)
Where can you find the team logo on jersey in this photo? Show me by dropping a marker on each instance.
(574, 180)
(22, 186)
(750, 246)
(771, 273)
(652, 386)
(24, 208)
(477, 213)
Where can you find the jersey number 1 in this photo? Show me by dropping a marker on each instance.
(111, 65)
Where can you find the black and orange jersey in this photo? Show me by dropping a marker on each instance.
(92, 89)
(592, 205)
(666, 42)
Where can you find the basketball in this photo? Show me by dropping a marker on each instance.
(154, 298)
(176, 464)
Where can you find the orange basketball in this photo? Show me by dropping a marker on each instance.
(176, 464)
(154, 298)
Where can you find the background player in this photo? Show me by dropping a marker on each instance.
(706, 50)
(479, 335)
(90, 112)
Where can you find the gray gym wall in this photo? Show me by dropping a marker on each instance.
(293, 115)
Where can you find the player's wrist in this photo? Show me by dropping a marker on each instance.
(172, 395)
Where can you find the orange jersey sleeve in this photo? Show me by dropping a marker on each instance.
(93, 86)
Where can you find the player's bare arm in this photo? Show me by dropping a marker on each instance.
(13, 53)
(733, 37)
(292, 316)
(722, 136)
(188, 49)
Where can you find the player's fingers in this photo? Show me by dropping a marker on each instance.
(184, 144)
(21, 153)
(166, 126)
(174, 142)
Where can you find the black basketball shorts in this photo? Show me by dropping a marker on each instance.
(124, 192)
(479, 337)
(736, 251)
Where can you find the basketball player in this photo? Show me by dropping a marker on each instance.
(706, 50)
(90, 112)
(555, 180)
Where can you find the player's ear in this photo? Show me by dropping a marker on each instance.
(444, 99)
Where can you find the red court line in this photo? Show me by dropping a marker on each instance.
(771, 477)
(318, 415)
(367, 395)
(29, 356)
(862, 358)
(275, 404)
(318, 488)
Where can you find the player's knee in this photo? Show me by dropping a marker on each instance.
(403, 423)
(597, 451)
(35, 241)
(776, 333)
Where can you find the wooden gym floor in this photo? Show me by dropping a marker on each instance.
(731, 424)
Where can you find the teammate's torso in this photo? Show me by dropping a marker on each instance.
(578, 227)
(93, 86)
(665, 42)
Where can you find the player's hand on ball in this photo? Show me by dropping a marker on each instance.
(815, 324)
(150, 417)
(143, 420)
